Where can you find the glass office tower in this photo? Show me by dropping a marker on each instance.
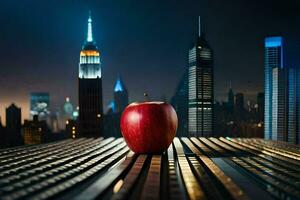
(200, 88)
(282, 91)
(275, 90)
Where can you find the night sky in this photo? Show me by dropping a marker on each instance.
(146, 42)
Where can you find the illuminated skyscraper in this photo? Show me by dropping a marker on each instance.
(90, 87)
(275, 89)
(120, 96)
(201, 90)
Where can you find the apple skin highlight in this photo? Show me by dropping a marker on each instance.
(149, 127)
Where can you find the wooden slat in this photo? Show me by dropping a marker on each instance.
(193, 188)
(294, 158)
(130, 179)
(176, 190)
(61, 173)
(107, 180)
(265, 161)
(280, 158)
(276, 146)
(38, 166)
(152, 185)
(89, 169)
(266, 169)
(253, 151)
(45, 155)
(235, 191)
(261, 173)
(206, 181)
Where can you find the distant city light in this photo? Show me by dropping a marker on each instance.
(75, 114)
(259, 125)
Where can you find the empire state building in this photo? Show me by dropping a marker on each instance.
(90, 88)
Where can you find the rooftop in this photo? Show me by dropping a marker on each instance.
(192, 168)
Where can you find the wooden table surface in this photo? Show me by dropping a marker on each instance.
(192, 168)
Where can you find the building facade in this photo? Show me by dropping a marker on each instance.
(35, 131)
(90, 88)
(200, 88)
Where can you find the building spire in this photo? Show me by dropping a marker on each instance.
(90, 32)
(199, 26)
(119, 85)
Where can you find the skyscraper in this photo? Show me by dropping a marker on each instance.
(293, 106)
(230, 100)
(90, 88)
(180, 103)
(275, 89)
(260, 105)
(239, 102)
(12, 134)
(13, 118)
(201, 90)
(120, 96)
(39, 105)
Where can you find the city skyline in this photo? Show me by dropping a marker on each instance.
(194, 99)
(46, 37)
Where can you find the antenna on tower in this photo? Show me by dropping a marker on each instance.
(90, 32)
(199, 26)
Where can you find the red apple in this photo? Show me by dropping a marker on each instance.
(149, 127)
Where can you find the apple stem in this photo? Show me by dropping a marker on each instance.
(146, 96)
